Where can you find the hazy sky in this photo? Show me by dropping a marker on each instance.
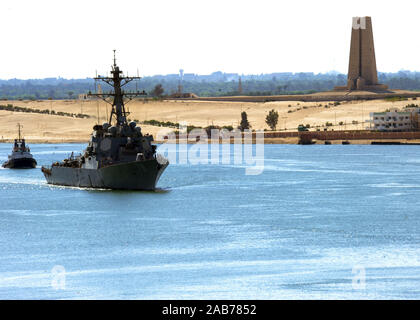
(72, 39)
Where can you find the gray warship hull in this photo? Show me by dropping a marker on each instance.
(136, 175)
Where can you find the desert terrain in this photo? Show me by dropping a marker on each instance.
(39, 128)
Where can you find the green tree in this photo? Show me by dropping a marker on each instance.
(244, 122)
(158, 90)
(272, 119)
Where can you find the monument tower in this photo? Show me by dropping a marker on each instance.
(240, 85)
(362, 65)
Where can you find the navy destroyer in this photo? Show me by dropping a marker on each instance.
(21, 157)
(118, 155)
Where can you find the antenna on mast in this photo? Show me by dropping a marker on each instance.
(19, 126)
(117, 80)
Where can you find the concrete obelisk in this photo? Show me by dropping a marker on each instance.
(362, 65)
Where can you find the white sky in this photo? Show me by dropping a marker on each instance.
(72, 39)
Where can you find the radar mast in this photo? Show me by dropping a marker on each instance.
(117, 80)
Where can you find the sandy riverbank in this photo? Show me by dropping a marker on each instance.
(44, 128)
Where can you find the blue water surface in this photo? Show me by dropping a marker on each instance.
(320, 222)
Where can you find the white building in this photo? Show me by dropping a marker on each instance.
(394, 120)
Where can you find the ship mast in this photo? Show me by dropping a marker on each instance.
(117, 80)
(19, 126)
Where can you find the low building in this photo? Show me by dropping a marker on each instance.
(395, 120)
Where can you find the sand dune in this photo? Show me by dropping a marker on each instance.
(52, 128)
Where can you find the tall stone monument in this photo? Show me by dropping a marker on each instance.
(362, 66)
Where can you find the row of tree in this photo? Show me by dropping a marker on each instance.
(276, 84)
(13, 108)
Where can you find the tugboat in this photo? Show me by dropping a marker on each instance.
(118, 156)
(21, 157)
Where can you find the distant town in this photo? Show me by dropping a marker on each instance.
(215, 84)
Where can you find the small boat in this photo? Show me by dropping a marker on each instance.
(21, 157)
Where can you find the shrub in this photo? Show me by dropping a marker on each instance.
(272, 119)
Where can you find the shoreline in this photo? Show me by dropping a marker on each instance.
(280, 141)
(350, 117)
